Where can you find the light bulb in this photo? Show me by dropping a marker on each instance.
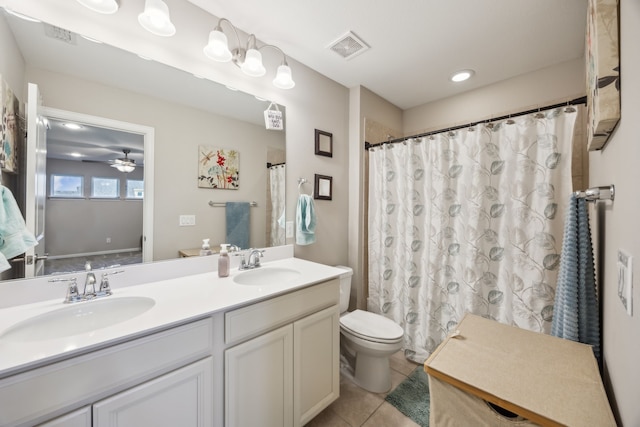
(218, 47)
(156, 19)
(283, 78)
(252, 65)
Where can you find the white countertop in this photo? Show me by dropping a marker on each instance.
(177, 301)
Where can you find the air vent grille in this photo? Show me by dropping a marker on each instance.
(60, 34)
(349, 45)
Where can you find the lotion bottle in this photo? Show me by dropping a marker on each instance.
(223, 261)
(206, 249)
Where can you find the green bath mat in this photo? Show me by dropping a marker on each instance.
(411, 397)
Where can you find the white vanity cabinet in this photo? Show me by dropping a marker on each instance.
(282, 363)
(132, 379)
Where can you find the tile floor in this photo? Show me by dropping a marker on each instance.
(359, 408)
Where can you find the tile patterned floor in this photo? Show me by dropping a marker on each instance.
(357, 407)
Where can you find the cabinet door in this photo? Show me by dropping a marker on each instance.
(258, 381)
(180, 398)
(316, 362)
(79, 418)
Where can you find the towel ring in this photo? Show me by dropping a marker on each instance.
(300, 182)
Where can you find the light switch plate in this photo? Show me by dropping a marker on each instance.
(625, 280)
(187, 220)
(289, 231)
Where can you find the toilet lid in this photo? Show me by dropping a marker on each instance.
(371, 325)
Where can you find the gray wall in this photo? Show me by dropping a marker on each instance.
(93, 219)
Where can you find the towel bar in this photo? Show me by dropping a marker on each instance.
(223, 204)
(597, 193)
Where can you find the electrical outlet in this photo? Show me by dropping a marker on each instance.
(289, 230)
(187, 220)
(625, 280)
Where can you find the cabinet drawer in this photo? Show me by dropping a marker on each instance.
(83, 379)
(258, 318)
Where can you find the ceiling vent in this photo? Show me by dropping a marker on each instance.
(60, 34)
(348, 46)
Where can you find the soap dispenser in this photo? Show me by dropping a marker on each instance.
(223, 261)
(206, 249)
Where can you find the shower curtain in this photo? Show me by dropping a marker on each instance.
(277, 188)
(469, 220)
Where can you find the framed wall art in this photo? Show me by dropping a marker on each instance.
(323, 187)
(603, 72)
(10, 129)
(218, 168)
(324, 143)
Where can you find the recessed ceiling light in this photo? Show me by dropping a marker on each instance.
(460, 76)
(72, 126)
(74, 154)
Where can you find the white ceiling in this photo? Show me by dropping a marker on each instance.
(416, 44)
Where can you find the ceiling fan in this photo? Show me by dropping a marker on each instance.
(124, 164)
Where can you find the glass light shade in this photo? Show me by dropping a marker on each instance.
(283, 78)
(252, 65)
(156, 19)
(218, 47)
(101, 6)
(124, 167)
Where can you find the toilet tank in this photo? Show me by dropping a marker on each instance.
(345, 287)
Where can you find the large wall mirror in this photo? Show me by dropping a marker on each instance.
(195, 122)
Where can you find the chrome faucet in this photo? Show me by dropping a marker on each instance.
(89, 283)
(256, 254)
(252, 261)
(105, 288)
(72, 290)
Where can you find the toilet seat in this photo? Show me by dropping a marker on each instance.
(371, 327)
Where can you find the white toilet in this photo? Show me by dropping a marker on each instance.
(368, 339)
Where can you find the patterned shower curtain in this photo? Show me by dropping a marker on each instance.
(469, 220)
(277, 189)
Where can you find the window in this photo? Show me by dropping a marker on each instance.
(105, 188)
(67, 186)
(135, 189)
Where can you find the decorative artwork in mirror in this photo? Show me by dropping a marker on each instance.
(323, 187)
(217, 168)
(9, 129)
(324, 143)
(603, 72)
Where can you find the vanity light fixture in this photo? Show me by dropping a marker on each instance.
(101, 6)
(156, 19)
(462, 75)
(248, 58)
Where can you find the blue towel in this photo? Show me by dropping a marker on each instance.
(575, 314)
(305, 221)
(15, 239)
(238, 224)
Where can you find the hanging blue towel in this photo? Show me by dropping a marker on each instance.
(305, 221)
(15, 239)
(238, 224)
(575, 314)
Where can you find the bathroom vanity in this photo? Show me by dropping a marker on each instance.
(208, 351)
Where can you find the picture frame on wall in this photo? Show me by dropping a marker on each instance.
(602, 71)
(324, 143)
(323, 187)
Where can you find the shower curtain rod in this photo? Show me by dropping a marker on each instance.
(270, 165)
(577, 101)
(597, 193)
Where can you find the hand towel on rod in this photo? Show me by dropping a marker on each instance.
(575, 313)
(15, 238)
(238, 224)
(305, 220)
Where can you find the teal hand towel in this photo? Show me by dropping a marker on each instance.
(238, 223)
(305, 221)
(15, 239)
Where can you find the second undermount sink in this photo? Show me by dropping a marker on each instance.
(263, 276)
(78, 318)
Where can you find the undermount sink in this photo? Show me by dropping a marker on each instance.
(262, 276)
(78, 318)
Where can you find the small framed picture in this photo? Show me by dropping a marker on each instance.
(322, 189)
(324, 143)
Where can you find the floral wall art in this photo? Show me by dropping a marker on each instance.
(9, 130)
(218, 168)
(603, 71)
